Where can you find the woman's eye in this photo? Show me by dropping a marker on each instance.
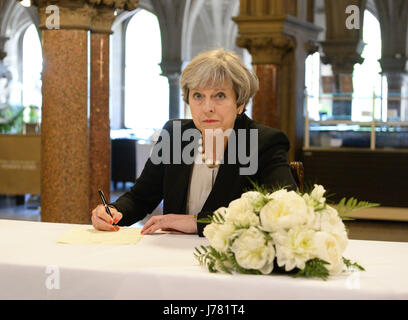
(220, 95)
(196, 95)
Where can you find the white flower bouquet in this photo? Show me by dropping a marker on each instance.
(283, 231)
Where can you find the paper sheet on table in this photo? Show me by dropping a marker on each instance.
(88, 235)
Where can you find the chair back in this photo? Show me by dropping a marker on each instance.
(298, 173)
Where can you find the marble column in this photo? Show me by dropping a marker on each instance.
(266, 103)
(342, 49)
(65, 156)
(99, 123)
(267, 53)
(396, 81)
(342, 55)
(64, 128)
(172, 70)
(394, 53)
(276, 34)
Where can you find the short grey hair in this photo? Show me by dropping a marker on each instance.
(213, 68)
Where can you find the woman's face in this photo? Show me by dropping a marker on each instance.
(213, 108)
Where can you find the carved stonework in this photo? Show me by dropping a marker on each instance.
(97, 15)
(266, 49)
(268, 7)
(311, 47)
(343, 46)
(342, 55)
(102, 20)
(261, 25)
(72, 15)
(128, 5)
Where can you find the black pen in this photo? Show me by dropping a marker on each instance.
(105, 204)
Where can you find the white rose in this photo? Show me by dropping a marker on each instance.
(285, 210)
(330, 250)
(330, 221)
(219, 235)
(241, 213)
(294, 247)
(256, 199)
(277, 194)
(251, 251)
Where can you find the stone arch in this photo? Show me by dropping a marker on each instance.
(16, 18)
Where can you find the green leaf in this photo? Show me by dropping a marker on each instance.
(314, 268)
(346, 206)
(262, 188)
(351, 265)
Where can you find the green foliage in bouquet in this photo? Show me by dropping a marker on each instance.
(348, 205)
(282, 231)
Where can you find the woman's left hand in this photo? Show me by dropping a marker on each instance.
(178, 222)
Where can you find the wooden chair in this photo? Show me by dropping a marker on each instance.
(298, 173)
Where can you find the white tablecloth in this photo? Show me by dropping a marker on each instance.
(162, 266)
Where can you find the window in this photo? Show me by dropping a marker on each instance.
(370, 125)
(32, 68)
(146, 91)
(366, 77)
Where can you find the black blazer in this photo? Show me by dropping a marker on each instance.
(170, 182)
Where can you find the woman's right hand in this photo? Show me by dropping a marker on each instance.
(102, 221)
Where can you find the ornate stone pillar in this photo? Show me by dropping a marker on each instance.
(99, 123)
(65, 156)
(342, 48)
(64, 128)
(172, 70)
(267, 49)
(394, 52)
(170, 14)
(276, 39)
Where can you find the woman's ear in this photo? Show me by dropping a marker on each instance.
(241, 108)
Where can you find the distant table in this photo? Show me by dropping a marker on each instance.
(162, 266)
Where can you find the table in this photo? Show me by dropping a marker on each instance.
(162, 266)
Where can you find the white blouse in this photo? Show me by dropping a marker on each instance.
(201, 183)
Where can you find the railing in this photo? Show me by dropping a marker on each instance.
(373, 124)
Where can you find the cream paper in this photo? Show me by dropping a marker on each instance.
(89, 235)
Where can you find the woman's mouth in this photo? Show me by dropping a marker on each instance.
(210, 121)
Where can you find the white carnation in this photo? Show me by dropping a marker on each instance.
(219, 235)
(294, 247)
(329, 249)
(241, 213)
(284, 210)
(253, 252)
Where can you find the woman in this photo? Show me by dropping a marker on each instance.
(217, 86)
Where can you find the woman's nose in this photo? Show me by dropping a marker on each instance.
(208, 106)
